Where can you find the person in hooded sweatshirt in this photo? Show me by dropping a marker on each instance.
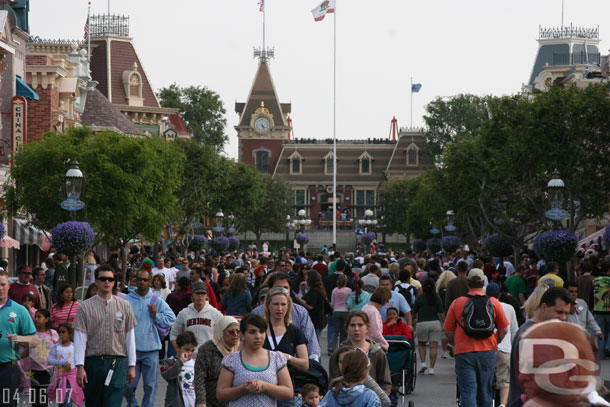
(349, 389)
(199, 317)
(150, 310)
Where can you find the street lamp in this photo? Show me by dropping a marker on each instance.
(218, 218)
(289, 225)
(556, 192)
(232, 229)
(450, 227)
(74, 182)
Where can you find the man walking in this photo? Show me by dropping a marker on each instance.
(24, 286)
(103, 338)
(150, 311)
(470, 327)
(17, 327)
(44, 292)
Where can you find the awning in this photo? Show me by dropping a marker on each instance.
(9, 242)
(24, 90)
(593, 238)
(27, 234)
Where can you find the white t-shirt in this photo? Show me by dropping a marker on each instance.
(169, 275)
(187, 383)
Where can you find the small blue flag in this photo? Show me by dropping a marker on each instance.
(415, 87)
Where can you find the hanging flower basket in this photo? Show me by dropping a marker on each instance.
(302, 238)
(2, 230)
(197, 242)
(233, 243)
(434, 244)
(368, 238)
(220, 243)
(419, 245)
(450, 243)
(607, 236)
(498, 245)
(556, 245)
(73, 237)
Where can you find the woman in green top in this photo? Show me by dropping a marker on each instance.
(428, 318)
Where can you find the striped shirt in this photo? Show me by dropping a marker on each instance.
(106, 323)
(59, 315)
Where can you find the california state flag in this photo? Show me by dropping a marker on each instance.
(327, 6)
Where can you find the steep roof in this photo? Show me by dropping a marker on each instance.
(263, 90)
(178, 122)
(122, 58)
(100, 114)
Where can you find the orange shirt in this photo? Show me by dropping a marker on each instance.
(464, 343)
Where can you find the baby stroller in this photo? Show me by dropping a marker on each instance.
(402, 359)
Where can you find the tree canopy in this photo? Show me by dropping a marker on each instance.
(202, 111)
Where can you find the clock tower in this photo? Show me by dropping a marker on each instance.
(263, 124)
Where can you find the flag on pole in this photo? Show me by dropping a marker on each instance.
(327, 6)
(261, 6)
(415, 87)
(87, 29)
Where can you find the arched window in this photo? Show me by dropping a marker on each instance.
(296, 163)
(261, 157)
(412, 155)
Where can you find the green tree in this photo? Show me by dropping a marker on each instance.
(202, 111)
(448, 117)
(130, 183)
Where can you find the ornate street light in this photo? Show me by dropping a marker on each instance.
(232, 229)
(218, 218)
(556, 189)
(450, 227)
(74, 180)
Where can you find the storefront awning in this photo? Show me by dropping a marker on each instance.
(27, 234)
(24, 90)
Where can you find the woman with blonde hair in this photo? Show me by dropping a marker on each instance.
(533, 301)
(393, 271)
(283, 336)
(441, 289)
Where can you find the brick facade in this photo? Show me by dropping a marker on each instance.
(248, 146)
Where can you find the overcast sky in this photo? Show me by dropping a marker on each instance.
(450, 47)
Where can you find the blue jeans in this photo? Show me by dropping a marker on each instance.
(603, 320)
(475, 374)
(329, 335)
(339, 318)
(147, 366)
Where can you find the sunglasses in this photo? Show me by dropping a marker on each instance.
(139, 279)
(106, 279)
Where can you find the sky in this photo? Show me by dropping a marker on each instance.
(482, 47)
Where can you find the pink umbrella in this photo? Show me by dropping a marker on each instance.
(7, 241)
(45, 243)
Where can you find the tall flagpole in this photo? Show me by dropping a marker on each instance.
(411, 102)
(562, 15)
(264, 11)
(89, 35)
(335, 131)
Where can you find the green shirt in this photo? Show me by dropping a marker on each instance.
(516, 286)
(14, 319)
(332, 267)
(425, 311)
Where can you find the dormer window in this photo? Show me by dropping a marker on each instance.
(366, 163)
(412, 155)
(132, 83)
(329, 163)
(296, 163)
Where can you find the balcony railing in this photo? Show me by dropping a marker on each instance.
(575, 58)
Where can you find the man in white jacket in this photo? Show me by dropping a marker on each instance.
(199, 317)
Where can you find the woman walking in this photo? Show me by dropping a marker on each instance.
(428, 316)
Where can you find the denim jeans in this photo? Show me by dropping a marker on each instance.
(475, 374)
(603, 320)
(147, 366)
(329, 335)
(339, 318)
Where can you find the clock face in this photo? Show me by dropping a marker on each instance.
(261, 125)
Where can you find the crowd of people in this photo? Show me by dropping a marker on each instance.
(244, 328)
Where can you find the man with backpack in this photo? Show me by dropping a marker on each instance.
(407, 290)
(155, 318)
(470, 325)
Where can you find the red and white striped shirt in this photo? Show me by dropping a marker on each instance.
(59, 315)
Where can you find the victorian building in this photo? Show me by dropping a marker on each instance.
(363, 165)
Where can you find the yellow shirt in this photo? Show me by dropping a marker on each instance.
(552, 280)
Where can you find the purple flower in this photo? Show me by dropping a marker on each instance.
(368, 238)
(220, 243)
(302, 238)
(2, 230)
(556, 245)
(419, 245)
(434, 244)
(73, 237)
(607, 236)
(450, 243)
(233, 243)
(498, 245)
(197, 242)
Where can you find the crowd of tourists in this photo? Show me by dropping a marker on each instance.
(244, 328)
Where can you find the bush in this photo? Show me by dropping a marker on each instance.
(233, 243)
(419, 245)
(498, 245)
(556, 245)
(220, 243)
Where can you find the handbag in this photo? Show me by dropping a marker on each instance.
(163, 332)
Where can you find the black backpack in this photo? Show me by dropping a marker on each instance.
(409, 294)
(478, 318)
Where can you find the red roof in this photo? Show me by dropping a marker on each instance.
(178, 122)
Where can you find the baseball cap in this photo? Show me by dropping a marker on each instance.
(200, 288)
(476, 274)
(492, 289)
